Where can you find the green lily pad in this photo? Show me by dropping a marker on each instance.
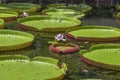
(23, 7)
(99, 33)
(11, 39)
(103, 55)
(8, 15)
(22, 68)
(1, 23)
(3, 7)
(80, 8)
(62, 48)
(63, 13)
(48, 23)
(56, 5)
(5, 14)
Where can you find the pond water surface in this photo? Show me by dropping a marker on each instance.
(77, 70)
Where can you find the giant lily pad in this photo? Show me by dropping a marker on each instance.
(11, 39)
(1, 23)
(56, 5)
(8, 15)
(23, 7)
(47, 23)
(62, 48)
(81, 8)
(95, 33)
(63, 13)
(2, 7)
(22, 68)
(103, 55)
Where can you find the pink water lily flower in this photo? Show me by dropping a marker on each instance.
(25, 14)
(59, 37)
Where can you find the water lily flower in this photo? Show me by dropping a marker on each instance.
(25, 14)
(60, 37)
(85, 71)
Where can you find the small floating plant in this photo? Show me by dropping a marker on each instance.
(62, 48)
(42, 68)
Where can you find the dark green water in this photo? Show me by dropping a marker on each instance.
(75, 66)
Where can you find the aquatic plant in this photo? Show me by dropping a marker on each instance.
(117, 7)
(8, 16)
(47, 26)
(20, 66)
(80, 8)
(94, 33)
(60, 37)
(12, 39)
(25, 14)
(118, 15)
(62, 48)
(22, 7)
(102, 55)
(63, 13)
(1, 23)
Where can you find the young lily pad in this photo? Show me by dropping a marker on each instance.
(95, 33)
(11, 39)
(62, 48)
(103, 55)
(8, 15)
(47, 23)
(1, 23)
(23, 7)
(39, 68)
(63, 13)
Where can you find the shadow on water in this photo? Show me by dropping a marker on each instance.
(77, 70)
